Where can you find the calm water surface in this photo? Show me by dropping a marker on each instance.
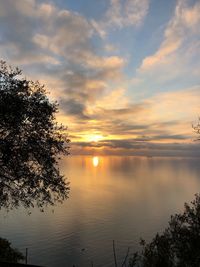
(120, 198)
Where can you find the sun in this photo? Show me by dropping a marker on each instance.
(96, 138)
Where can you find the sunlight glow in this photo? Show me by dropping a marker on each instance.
(95, 161)
(96, 138)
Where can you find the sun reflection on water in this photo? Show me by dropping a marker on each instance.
(95, 161)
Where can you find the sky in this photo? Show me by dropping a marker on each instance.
(126, 73)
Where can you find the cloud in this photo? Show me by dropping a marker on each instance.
(120, 14)
(137, 148)
(73, 108)
(112, 63)
(58, 47)
(55, 46)
(178, 38)
(41, 29)
(179, 105)
(165, 118)
(126, 13)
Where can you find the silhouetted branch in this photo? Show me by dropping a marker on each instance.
(114, 253)
(126, 257)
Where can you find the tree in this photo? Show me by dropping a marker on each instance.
(30, 143)
(197, 129)
(9, 254)
(178, 245)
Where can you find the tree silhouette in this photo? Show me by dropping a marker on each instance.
(197, 129)
(178, 245)
(30, 142)
(9, 254)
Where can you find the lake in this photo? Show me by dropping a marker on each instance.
(111, 198)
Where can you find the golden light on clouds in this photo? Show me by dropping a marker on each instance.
(113, 97)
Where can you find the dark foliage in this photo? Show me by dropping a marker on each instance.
(30, 142)
(196, 128)
(9, 254)
(178, 245)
